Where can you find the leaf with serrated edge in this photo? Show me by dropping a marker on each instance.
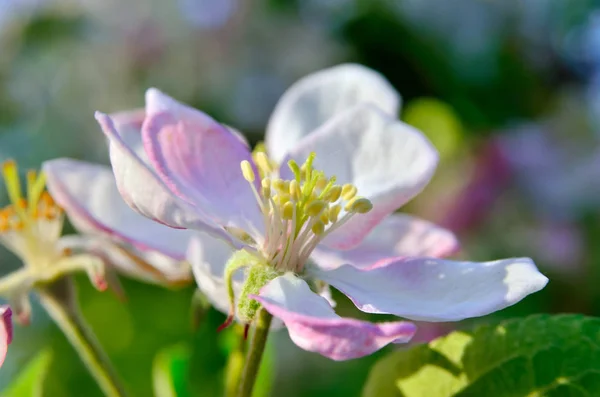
(540, 355)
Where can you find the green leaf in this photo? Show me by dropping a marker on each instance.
(170, 371)
(541, 355)
(30, 381)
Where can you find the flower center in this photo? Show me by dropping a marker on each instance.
(300, 212)
(30, 226)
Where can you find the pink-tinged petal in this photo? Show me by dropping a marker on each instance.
(145, 265)
(6, 331)
(88, 193)
(396, 236)
(316, 98)
(388, 161)
(208, 257)
(199, 160)
(141, 188)
(129, 125)
(314, 326)
(431, 289)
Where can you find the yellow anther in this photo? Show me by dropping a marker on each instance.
(247, 171)
(321, 182)
(266, 187)
(359, 205)
(318, 228)
(315, 207)
(324, 217)
(334, 212)
(333, 194)
(281, 199)
(279, 185)
(349, 191)
(294, 190)
(287, 211)
(263, 162)
(312, 197)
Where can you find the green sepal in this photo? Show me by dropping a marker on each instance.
(257, 276)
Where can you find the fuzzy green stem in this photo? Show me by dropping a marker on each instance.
(255, 353)
(59, 300)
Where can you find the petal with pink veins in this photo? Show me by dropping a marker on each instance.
(387, 160)
(316, 98)
(89, 194)
(6, 331)
(431, 289)
(199, 160)
(141, 188)
(397, 235)
(314, 326)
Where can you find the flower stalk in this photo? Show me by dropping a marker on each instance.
(59, 300)
(255, 353)
(235, 363)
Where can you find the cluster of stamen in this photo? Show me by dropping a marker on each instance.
(31, 223)
(31, 227)
(299, 213)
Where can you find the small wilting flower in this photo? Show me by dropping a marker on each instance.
(5, 331)
(135, 245)
(31, 227)
(313, 208)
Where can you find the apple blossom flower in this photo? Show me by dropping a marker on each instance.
(5, 331)
(31, 228)
(135, 245)
(313, 208)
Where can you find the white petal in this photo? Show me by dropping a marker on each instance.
(388, 161)
(316, 98)
(432, 289)
(314, 326)
(396, 236)
(208, 257)
(129, 125)
(146, 265)
(88, 193)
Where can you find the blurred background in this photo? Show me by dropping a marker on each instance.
(508, 90)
